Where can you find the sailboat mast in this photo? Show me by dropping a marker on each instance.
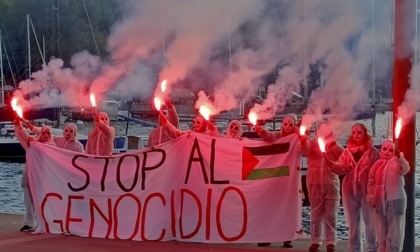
(29, 46)
(1, 72)
(404, 22)
(373, 106)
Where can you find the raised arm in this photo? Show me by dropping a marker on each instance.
(265, 134)
(21, 134)
(172, 114)
(405, 166)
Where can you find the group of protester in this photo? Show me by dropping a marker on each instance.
(100, 142)
(373, 195)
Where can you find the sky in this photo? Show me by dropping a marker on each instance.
(225, 49)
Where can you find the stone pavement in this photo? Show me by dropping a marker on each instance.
(14, 241)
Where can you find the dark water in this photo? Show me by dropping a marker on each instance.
(11, 200)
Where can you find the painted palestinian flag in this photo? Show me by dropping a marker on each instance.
(257, 162)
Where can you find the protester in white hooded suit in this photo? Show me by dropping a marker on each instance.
(25, 140)
(100, 140)
(288, 127)
(69, 139)
(323, 186)
(234, 130)
(355, 164)
(162, 134)
(201, 125)
(386, 194)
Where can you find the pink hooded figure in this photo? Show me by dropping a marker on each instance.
(162, 134)
(234, 129)
(355, 163)
(288, 127)
(69, 139)
(387, 195)
(25, 140)
(100, 140)
(323, 186)
(201, 125)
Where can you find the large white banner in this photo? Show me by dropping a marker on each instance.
(195, 188)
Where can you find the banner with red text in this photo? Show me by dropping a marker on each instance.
(195, 188)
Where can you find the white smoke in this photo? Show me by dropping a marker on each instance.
(228, 48)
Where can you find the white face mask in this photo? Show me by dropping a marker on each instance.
(199, 125)
(358, 134)
(387, 150)
(45, 135)
(104, 118)
(234, 130)
(70, 132)
(288, 125)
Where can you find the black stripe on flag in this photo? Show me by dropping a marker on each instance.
(269, 149)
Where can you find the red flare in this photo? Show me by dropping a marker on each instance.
(321, 144)
(163, 85)
(92, 100)
(398, 127)
(252, 117)
(302, 130)
(19, 111)
(158, 103)
(14, 103)
(205, 112)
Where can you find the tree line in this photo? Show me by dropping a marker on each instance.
(61, 27)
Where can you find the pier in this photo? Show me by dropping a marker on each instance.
(11, 239)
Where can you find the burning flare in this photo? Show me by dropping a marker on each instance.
(302, 130)
(158, 103)
(17, 108)
(14, 103)
(205, 112)
(321, 144)
(253, 118)
(19, 111)
(398, 127)
(92, 100)
(163, 85)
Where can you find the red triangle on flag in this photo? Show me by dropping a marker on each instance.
(249, 162)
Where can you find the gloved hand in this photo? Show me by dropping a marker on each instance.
(210, 126)
(329, 163)
(16, 121)
(257, 128)
(397, 153)
(162, 119)
(96, 118)
(303, 139)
